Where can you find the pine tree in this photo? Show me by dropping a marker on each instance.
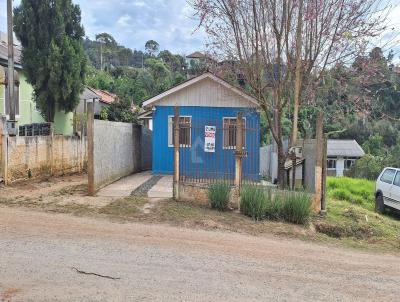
(53, 57)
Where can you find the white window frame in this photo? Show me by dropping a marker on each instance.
(171, 131)
(223, 133)
(333, 159)
(352, 159)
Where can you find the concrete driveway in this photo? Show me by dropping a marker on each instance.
(153, 186)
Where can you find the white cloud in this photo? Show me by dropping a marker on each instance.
(124, 21)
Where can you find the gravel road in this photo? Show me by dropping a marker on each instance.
(162, 263)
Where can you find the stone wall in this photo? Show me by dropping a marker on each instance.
(119, 149)
(43, 156)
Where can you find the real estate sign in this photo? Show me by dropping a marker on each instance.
(209, 139)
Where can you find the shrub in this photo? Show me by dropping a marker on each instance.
(368, 167)
(253, 202)
(296, 207)
(218, 195)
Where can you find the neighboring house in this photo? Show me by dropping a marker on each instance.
(195, 59)
(146, 118)
(341, 155)
(199, 62)
(203, 101)
(100, 98)
(26, 110)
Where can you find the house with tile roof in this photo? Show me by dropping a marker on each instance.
(100, 98)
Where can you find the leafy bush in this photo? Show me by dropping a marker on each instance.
(354, 190)
(296, 207)
(368, 167)
(218, 195)
(253, 202)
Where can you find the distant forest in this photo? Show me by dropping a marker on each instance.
(133, 75)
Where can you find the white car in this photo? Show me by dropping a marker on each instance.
(387, 192)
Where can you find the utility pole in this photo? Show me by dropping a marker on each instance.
(12, 124)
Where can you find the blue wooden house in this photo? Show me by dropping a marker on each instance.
(208, 108)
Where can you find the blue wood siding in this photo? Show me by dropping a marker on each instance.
(220, 162)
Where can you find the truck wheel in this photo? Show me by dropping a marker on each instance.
(379, 205)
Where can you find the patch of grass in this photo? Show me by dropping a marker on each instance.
(253, 202)
(358, 226)
(290, 206)
(218, 195)
(354, 190)
(124, 208)
(296, 207)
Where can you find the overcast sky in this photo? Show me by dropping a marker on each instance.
(169, 22)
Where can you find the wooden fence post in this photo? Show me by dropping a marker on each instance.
(239, 155)
(319, 161)
(90, 144)
(4, 149)
(51, 149)
(324, 174)
(176, 153)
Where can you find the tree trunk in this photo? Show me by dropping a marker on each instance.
(281, 166)
(297, 83)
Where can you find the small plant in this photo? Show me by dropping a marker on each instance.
(296, 207)
(218, 195)
(253, 202)
(274, 204)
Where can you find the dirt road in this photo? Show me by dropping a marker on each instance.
(162, 263)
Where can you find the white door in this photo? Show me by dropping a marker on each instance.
(395, 192)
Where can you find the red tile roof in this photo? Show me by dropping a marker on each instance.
(106, 97)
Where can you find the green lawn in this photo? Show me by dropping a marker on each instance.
(354, 190)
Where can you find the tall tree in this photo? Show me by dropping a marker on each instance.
(107, 44)
(151, 47)
(53, 58)
(284, 46)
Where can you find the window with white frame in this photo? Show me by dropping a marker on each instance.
(229, 132)
(349, 162)
(331, 164)
(185, 131)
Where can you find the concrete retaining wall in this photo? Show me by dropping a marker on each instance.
(43, 156)
(119, 149)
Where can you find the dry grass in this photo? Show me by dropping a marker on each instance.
(346, 223)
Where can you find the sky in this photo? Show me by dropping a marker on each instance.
(133, 22)
(170, 23)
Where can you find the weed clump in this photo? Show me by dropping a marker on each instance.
(218, 195)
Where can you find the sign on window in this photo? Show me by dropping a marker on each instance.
(209, 139)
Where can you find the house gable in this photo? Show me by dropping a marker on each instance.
(204, 91)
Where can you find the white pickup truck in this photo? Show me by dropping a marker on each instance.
(387, 192)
